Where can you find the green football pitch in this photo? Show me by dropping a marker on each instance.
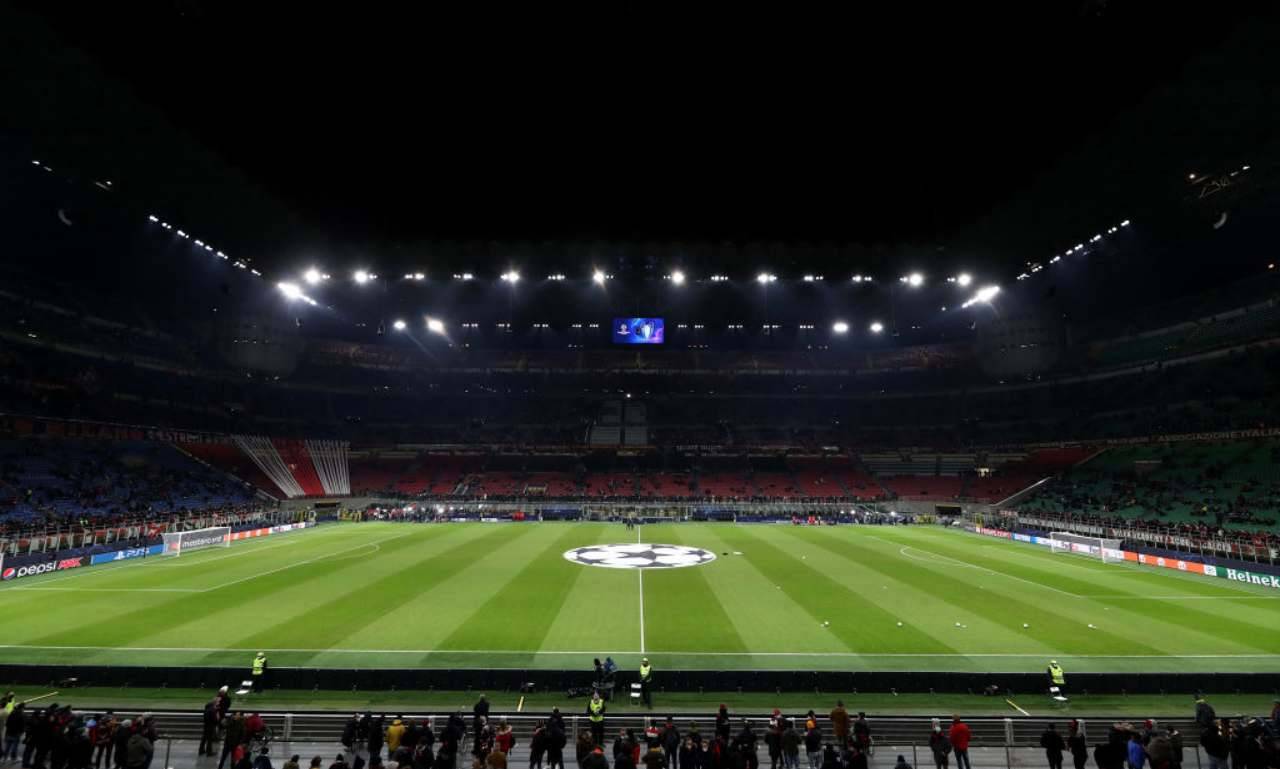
(775, 597)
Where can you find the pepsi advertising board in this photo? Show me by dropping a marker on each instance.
(638, 331)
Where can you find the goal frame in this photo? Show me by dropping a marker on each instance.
(174, 541)
(1104, 549)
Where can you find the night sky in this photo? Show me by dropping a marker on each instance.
(283, 125)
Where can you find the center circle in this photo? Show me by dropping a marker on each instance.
(639, 556)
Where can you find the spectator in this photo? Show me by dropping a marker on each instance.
(862, 734)
(840, 723)
(1077, 745)
(316, 761)
(1137, 754)
(940, 746)
(813, 744)
(830, 759)
(505, 738)
(233, 738)
(1205, 715)
(292, 763)
(688, 754)
(537, 745)
(1215, 746)
(557, 738)
(902, 763)
(262, 760)
(773, 739)
(654, 759)
(959, 735)
(395, 733)
(209, 728)
(670, 739)
(790, 746)
(339, 763)
(1053, 746)
(496, 759)
(594, 759)
(138, 751)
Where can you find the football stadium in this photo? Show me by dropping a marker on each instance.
(445, 405)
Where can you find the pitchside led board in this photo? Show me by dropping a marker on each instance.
(638, 331)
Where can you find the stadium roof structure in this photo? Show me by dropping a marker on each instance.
(966, 153)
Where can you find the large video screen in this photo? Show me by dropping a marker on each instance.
(638, 331)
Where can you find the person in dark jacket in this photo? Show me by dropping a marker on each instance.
(138, 751)
(1053, 746)
(1205, 715)
(233, 737)
(557, 738)
(830, 758)
(349, 731)
(791, 746)
(594, 759)
(121, 747)
(1215, 747)
(1112, 753)
(373, 743)
(537, 745)
(480, 711)
(688, 754)
(939, 746)
(669, 737)
(1077, 745)
(813, 746)
(624, 748)
(723, 727)
(209, 729)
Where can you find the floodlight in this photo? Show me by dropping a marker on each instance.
(399, 325)
(598, 277)
(291, 291)
(840, 327)
(435, 326)
(915, 280)
(361, 276)
(766, 277)
(312, 276)
(964, 279)
(154, 218)
(876, 327)
(511, 276)
(677, 277)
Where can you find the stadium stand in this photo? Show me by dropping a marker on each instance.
(1211, 485)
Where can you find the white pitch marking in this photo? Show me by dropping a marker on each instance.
(347, 551)
(640, 573)
(971, 565)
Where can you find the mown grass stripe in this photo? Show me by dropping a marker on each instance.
(152, 616)
(680, 604)
(1152, 620)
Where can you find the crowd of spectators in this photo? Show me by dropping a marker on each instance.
(47, 482)
(839, 739)
(57, 737)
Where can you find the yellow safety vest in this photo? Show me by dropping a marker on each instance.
(597, 710)
(645, 670)
(259, 665)
(1057, 674)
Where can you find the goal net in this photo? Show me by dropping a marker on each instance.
(1105, 550)
(178, 542)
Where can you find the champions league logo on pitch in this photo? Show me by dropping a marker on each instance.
(640, 556)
